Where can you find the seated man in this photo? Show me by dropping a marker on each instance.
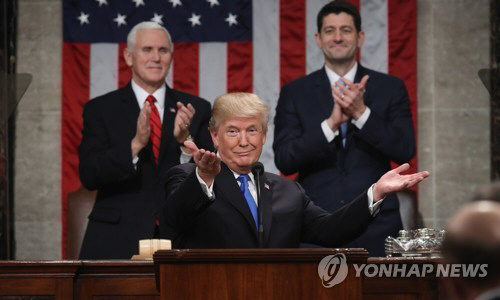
(212, 203)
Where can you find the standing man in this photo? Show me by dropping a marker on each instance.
(341, 126)
(213, 202)
(131, 137)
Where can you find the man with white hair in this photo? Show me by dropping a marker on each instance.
(131, 137)
(212, 203)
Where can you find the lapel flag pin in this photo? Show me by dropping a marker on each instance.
(172, 110)
(266, 186)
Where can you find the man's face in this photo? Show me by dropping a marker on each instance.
(239, 142)
(150, 58)
(339, 39)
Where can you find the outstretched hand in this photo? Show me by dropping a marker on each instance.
(393, 181)
(207, 162)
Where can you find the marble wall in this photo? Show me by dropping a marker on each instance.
(37, 189)
(453, 114)
(453, 105)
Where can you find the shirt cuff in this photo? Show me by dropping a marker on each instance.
(374, 208)
(328, 132)
(362, 120)
(208, 190)
(135, 160)
(185, 156)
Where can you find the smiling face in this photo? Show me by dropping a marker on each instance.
(149, 58)
(239, 142)
(339, 39)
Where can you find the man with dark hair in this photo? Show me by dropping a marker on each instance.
(472, 240)
(341, 126)
(131, 137)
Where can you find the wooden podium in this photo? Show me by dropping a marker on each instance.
(252, 274)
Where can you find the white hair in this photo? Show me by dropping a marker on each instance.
(132, 35)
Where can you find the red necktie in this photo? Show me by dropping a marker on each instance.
(155, 122)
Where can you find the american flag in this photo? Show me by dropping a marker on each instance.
(219, 46)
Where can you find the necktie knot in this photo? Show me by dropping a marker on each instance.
(243, 179)
(151, 99)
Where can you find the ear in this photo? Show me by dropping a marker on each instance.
(361, 38)
(213, 134)
(317, 38)
(264, 136)
(127, 55)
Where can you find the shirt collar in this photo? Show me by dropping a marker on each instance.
(334, 77)
(141, 95)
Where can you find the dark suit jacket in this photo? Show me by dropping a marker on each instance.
(290, 217)
(128, 198)
(330, 174)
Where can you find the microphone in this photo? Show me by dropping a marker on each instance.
(257, 171)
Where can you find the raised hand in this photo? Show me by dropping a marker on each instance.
(393, 181)
(337, 117)
(143, 130)
(182, 121)
(350, 97)
(207, 162)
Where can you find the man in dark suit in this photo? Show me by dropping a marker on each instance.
(212, 203)
(472, 241)
(341, 126)
(131, 137)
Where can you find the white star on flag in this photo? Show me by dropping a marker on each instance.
(231, 19)
(138, 2)
(101, 2)
(157, 18)
(175, 2)
(213, 2)
(120, 20)
(84, 18)
(195, 20)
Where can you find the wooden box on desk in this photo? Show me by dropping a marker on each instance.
(252, 274)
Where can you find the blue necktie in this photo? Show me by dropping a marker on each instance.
(343, 126)
(243, 179)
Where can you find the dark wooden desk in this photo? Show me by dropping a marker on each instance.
(265, 274)
(37, 279)
(125, 279)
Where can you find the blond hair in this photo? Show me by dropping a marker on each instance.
(238, 105)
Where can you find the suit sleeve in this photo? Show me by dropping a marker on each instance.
(294, 146)
(337, 228)
(102, 161)
(185, 199)
(393, 135)
(202, 138)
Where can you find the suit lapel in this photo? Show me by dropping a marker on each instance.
(226, 184)
(266, 195)
(130, 107)
(351, 129)
(167, 128)
(324, 92)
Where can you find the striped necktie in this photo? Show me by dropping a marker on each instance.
(155, 122)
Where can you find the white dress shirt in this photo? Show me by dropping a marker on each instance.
(141, 95)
